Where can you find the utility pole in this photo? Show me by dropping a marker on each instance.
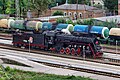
(17, 9)
(77, 10)
(92, 2)
(85, 11)
(4, 6)
(66, 2)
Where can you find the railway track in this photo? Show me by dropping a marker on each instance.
(77, 65)
(71, 67)
(6, 36)
(111, 49)
(103, 60)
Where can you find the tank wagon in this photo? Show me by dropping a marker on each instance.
(24, 25)
(6, 23)
(114, 36)
(99, 31)
(31, 25)
(66, 28)
(60, 41)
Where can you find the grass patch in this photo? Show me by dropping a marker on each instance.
(15, 74)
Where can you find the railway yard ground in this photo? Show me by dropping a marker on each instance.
(61, 66)
(31, 65)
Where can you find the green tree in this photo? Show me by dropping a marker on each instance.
(2, 6)
(79, 2)
(69, 21)
(98, 6)
(61, 20)
(7, 6)
(111, 5)
(10, 7)
(58, 13)
(73, 2)
(24, 5)
(86, 22)
(111, 24)
(40, 5)
(60, 1)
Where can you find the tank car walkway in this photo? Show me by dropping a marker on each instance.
(34, 66)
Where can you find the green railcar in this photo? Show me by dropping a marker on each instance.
(18, 24)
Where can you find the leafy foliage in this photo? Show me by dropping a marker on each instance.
(60, 2)
(23, 7)
(40, 5)
(112, 5)
(73, 1)
(98, 6)
(58, 13)
(110, 24)
(61, 20)
(85, 22)
(79, 1)
(69, 21)
(8, 6)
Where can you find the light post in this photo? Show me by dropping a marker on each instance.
(84, 52)
(30, 41)
(29, 45)
(29, 15)
(77, 10)
(116, 47)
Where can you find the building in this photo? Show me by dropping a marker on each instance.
(82, 11)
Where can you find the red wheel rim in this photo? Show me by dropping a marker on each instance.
(67, 51)
(73, 51)
(62, 51)
(78, 51)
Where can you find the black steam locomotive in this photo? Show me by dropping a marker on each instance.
(59, 42)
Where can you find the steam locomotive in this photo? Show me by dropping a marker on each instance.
(78, 40)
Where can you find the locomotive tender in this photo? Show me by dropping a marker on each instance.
(84, 44)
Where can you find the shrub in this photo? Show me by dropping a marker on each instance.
(58, 13)
(61, 20)
(85, 22)
(69, 21)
